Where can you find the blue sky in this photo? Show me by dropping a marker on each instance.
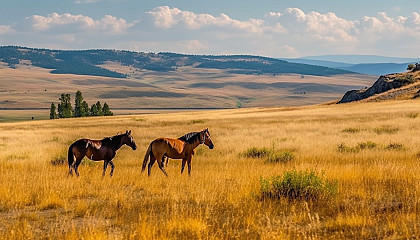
(274, 28)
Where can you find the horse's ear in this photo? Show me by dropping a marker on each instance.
(129, 132)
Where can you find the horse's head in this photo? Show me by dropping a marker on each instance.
(205, 138)
(129, 140)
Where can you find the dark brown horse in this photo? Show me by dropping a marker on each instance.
(181, 148)
(98, 150)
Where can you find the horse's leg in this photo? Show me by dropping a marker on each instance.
(161, 167)
(163, 160)
(189, 165)
(76, 165)
(71, 166)
(184, 160)
(105, 166)
(112, 167)
(70, 159)
(152, 161)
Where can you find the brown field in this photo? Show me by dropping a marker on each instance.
(33, 87)
(371, 150)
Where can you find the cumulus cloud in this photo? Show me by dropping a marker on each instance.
(288, 33)
(69, 22)
(166, 17)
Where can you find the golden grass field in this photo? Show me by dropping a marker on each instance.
(378, 187)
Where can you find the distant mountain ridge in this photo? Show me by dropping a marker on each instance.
(360, 59)
(88, 62)
(364, 64)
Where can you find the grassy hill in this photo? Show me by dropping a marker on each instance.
(368, 152)
(29, 79)
(87, 62)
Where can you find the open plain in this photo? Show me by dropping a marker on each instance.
(33, 87)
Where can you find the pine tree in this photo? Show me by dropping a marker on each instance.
(64, 108)
(106, 110)
(53, 112)
(78, 104)
(99, 107)
(94, 110)
(84, 109)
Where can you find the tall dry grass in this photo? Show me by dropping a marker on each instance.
(372, 150)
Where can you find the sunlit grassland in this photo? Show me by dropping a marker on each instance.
(372, 150)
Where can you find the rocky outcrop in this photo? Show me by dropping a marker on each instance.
(383, 84)
(414, 67)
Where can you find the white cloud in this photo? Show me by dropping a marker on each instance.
(289, 33)
(5, 29)
(76, 23)
(165, 17)
(86, 1)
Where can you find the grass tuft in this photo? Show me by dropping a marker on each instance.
(302, 185)
(386, 130)
(196, 121)
(343, 148)
(395, 146)
(270, 154)
(59, 159)
(257, 152)
(366, 145)
(412, 115)
(280, 157)
(351, 130)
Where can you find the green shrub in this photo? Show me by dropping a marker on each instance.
(301, 185)
(271, 155)
(343, 148)
(280, 157)
(351, 130)
(59, 159)
(395, 146)
(412, 115)
(196, 121)
(386, 130)
(257, 152)
(366, 145)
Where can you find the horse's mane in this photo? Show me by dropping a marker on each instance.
(108, 140)
(190, 137)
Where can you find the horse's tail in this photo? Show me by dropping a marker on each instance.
(70, 158)
(146, 157)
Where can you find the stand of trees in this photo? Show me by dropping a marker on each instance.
(81, 108)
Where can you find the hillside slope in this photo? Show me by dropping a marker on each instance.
(87, 62)
(392, 86)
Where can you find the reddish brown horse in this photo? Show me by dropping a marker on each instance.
(181, 148)
(98, 150)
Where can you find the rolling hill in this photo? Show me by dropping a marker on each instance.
(34, 78)
(86, 62)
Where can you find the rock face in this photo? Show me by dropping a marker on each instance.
(383, 84)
